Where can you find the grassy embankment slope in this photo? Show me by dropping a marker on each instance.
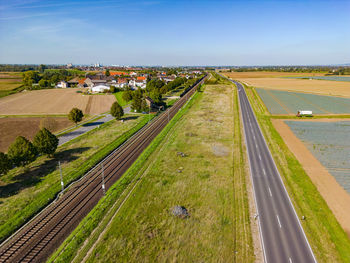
(24, 191)
(328, 240)
(209, 182)
(119, 97)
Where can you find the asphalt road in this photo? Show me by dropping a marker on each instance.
(282, 236)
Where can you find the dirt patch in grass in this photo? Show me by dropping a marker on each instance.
(10, 128)
(54, 101)
(220, 150)
(321, 87)
(336, 197)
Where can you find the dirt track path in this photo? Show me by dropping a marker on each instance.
(335, 196)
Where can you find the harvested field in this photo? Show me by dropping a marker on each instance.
(335, 78)
(284, 102)
(268, 74)
(10, 128)
(54, 101)
(324, 156)
(320, 87)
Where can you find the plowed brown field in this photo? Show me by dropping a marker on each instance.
(10, 128)
(54, 101)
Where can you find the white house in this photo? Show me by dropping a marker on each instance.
(99, 88)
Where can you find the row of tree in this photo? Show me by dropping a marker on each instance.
(49, 78)
(155, 89)
(22, 151)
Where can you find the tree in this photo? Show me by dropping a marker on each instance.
(43, 83)
(75, 115)
(30, 77)
(45, 142)
(112, 89)
(127, 95)
(156, 97)
(42, 68)
(107, 73)
(5, 163)
(136, 103)
(22, 151)
(117, 110)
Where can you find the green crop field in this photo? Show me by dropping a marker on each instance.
(9, 83)
(329, 143)
(285, 102)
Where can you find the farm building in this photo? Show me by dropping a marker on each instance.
(99, 88)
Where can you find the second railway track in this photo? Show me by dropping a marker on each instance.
(41, 236)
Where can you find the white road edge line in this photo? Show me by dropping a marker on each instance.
(290, 260)
(279, 222)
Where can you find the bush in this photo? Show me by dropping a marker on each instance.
(45, 142)
(117, 110)
(75, 115)
(22, 151)
(5, 163)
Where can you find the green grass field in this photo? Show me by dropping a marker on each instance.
(10, 83)
(24, 191)
(328, 240)
(119, 98)
(145, 228)
(209, 182)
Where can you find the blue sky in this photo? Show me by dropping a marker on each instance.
(178, 32)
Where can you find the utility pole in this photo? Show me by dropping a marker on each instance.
(62, 184)
(103, 180)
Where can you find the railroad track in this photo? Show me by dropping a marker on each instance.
(41, 236)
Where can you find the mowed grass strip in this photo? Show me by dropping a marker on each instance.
(203, 182)
(328, 240)
(25, 191)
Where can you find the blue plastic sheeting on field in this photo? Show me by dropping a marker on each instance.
(329, 143)
(285, 102)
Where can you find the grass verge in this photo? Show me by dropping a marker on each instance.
(101, 213)
(328, 240)
(144, 229)
(25, 191)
